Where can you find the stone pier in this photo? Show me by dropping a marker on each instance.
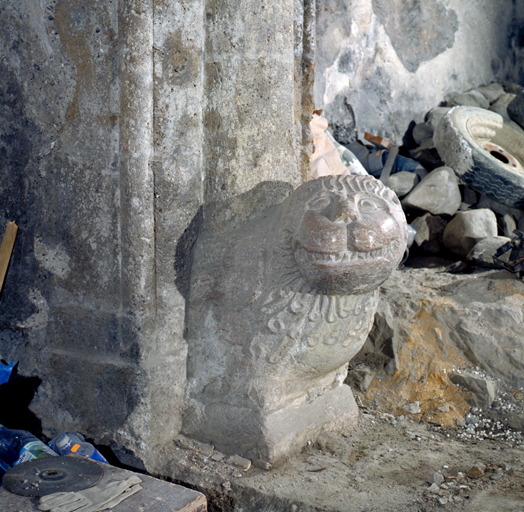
(121, 122)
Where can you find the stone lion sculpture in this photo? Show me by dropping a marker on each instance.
(278, 307)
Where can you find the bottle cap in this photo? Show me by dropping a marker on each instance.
(62, 441)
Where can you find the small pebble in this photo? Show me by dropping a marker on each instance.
(436, 478)
(476, 471)
(237, 460)
(413, 408)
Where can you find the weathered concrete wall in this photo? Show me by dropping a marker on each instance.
(258, 72)
(394, 60)
(61, 307)
(78, 308)
(119, 122)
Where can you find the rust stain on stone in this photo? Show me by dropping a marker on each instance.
(69, 16)
(214, 75)
(180, 62)
(304, 83)
(425, 360)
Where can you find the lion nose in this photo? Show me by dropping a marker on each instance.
(346, 211)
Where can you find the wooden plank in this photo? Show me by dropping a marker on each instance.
(8, 241)
(380, 142)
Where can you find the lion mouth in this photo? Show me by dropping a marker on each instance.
(304, 256)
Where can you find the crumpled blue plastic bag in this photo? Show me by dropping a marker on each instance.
(5, 371)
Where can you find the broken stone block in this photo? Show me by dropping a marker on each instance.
(476, 471)
(471, 98)
(217, 456)
(277, 307)
(197, 446)
(484, 390)
(461, 422)
(466, 229)
(482, 253)
(516, 108)
(501, 209)
(492, 92)
(437, 193)
(422, 132)
(511, 87)
(434, 116)
(341, 119)
(402, 182)
(509, 224)
(470, 196)
(429, 232)
(501, 107)
(360, 378)
(241, 462)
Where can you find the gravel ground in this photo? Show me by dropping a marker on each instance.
(385, 464)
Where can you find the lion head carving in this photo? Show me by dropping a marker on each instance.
(348, 234)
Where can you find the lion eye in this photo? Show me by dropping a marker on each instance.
(320, 203)
(369, 205)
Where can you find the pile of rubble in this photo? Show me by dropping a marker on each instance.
(448, 215)
(450, 218)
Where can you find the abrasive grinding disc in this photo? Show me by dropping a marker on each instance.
(39, 477)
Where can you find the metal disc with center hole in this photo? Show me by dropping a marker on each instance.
(39, 477)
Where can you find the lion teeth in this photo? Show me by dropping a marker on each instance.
(304, 256)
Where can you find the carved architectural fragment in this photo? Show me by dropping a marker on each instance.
(278, 307)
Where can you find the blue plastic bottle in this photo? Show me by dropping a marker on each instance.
(4, 468)
(17, 446)
(75, 443)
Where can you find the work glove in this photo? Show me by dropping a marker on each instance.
(99, 497)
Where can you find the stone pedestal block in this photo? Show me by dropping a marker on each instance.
(268, 438)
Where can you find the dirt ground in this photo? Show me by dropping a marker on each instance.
(383, 465)
(388, 467)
